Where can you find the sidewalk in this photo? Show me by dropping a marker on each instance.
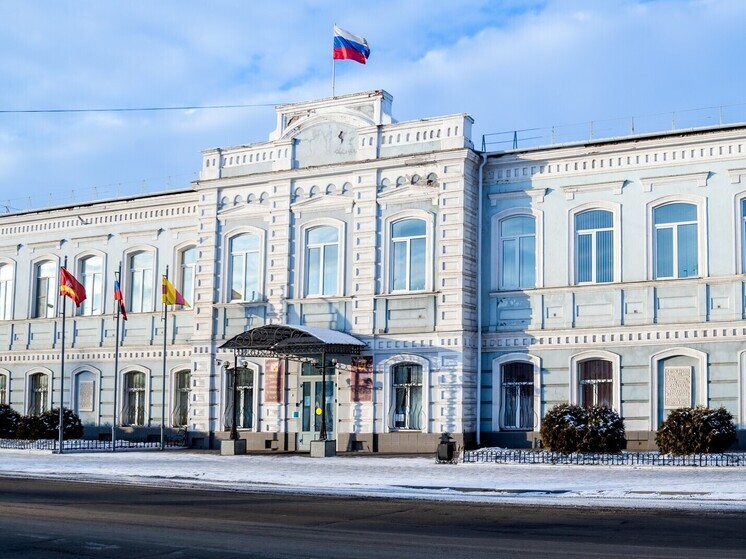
(679, 487)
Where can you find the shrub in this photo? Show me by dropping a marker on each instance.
(30, 427)
(567, 429)
(696, 430)
(72, 426)
(8, 422)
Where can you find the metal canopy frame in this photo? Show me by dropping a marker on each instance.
(282, 340)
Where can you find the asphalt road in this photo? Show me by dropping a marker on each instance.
(54, 519)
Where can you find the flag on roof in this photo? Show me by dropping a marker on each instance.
(119, 298)
(70, 287)
(170, 294)
(350, 47)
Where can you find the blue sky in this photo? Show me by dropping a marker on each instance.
(510, 64)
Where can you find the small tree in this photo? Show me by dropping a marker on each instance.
(8, 422)
(30, 427)
(567, 429)
(604, 431)
(696, 430)
(72, 426)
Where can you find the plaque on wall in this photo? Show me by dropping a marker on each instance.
(677, 387)
(362, 379)
(85, 395)
(273, 372)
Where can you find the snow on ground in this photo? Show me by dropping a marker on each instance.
(700, 488)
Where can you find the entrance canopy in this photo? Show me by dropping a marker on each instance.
(282, 340)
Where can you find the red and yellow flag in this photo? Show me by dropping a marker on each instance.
(170, 295)
(70, 287)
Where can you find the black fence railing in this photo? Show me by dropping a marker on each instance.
(90, 444)
(503, 456)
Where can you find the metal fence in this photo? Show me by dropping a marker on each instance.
(89, 444)
(502, 456)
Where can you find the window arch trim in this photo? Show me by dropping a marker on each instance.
(122, 402)
(78, 261)
(39, 260)
(385, 370)
(27, 391)
(497, 364)
(302, 256)
(429, 219)
(496, 250)
(616, 212)
(127, 279)
(593, 355)
(228, 237)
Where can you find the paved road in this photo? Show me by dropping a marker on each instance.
(54, 519)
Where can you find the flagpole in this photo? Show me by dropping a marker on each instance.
(333, 63)
(117, 304)
(163, 396)
(62, 366)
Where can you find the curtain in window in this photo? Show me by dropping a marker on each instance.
(518, 395)
(181, 395)
(245, 391)
(407, 396)
(596, 382)
(39, 393)
(134, 386)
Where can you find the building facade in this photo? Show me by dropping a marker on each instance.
(486, 287)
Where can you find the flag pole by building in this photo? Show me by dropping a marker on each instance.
(334, 60)
(163, 395)
(61, 434)
(118, 276)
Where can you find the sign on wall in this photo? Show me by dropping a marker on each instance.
(274, 370)
(85, 395)
(677, 387)
(362, 379)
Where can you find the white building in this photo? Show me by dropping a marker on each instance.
(610, 272)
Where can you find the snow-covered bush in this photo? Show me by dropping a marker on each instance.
(30, 427)
(72, 426)
(8, 422)
(567, 428)
(696, 430)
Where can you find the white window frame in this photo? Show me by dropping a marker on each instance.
(385, 371)
(35, 264)
(10, 289)
(227, 270)
(102, 280)
(702, 238)
(127, 279)
(592, 355)
(5, 394)
(178, 267)
(123, 396)
(429, 219)
(702, 373)
(740, 221)
(497, 364)
(175, 391)
(28, 392)
(302, 256)
(496, 251)
(616, 229)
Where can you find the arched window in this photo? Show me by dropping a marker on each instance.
(187, 266)
(45, 274)
(244, 379)
(6, 291)
(594, 246)
(595, 377)
(517, 397)
(407, 392)
(38, 391)
(140, 288)
(518, 252)
(408, 255)
(182, 389)
(84, 384)
(91, 276)
(675, 243)
(322, 260)
(244, 272)
(134, 399)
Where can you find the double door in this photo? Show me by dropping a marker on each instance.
(311, 410)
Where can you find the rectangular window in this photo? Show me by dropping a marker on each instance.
(517, 253)
(518, 396)
(141, 282)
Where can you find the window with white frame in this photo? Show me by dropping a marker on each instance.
(743, 238)
(408, 255)
(38, 391)
(91, 276)
(407, 391)
(244, 267)
(517, 247)
(517, 395)
(596, 383)
(140, 288)
(6, 291)
(134, 399)
(594, 246)
(187, 266)
(244, 390)
(322, 260)
(45, 274)
(675, 243)
(182, 389)
(3, 389)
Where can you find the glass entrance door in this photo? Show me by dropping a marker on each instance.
(311, 411)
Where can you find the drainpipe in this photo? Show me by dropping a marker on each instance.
(479, 299)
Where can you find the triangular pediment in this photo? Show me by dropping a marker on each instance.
(326, 203)
(409, 193)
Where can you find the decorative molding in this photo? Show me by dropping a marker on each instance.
(323, 203)
(96, 239)
(409, 193)
(700, 179)
(614, 186)
(536, 194)
(46, 245)
(736, 175)
(150, 233)
(15, 249)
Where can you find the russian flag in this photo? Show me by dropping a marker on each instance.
(350, 47)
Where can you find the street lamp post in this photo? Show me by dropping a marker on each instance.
(234, 423)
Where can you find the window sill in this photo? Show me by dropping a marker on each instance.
(406, 294)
